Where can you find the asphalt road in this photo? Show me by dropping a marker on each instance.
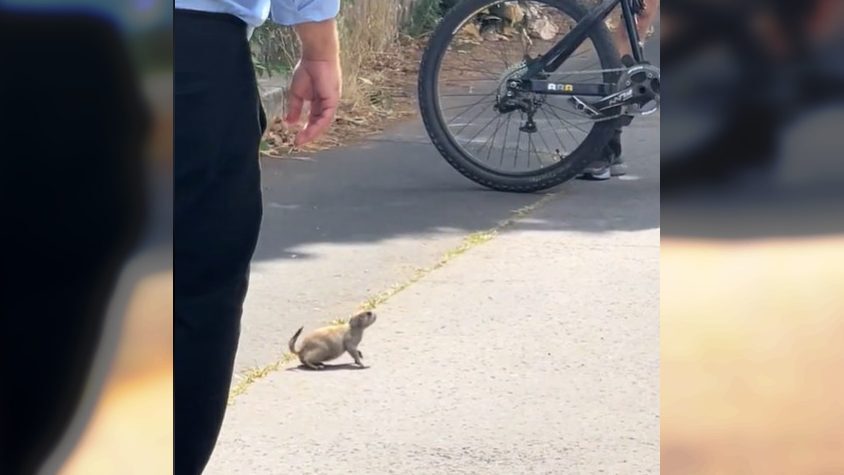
(350, 223)
(535, 352)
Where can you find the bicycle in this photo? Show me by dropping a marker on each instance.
(562, 120)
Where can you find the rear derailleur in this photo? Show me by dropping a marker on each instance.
(524, 103)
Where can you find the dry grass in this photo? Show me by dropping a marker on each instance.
(383, 91)
(379, 74)
(367, 28)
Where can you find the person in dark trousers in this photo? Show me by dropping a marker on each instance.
(610, 163)
(219, 122)
(74, 211)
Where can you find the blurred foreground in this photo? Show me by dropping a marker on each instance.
(753, 239)
(131, 429)
(86, 177)
(751, 356)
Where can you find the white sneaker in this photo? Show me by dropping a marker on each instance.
(597, 170)
(618, 167)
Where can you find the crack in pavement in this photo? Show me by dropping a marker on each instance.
(249, 377)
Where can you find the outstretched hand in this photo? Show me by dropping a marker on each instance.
(319, 83)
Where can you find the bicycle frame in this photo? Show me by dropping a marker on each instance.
(569, 43)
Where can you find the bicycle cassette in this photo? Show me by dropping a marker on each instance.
(512, 73)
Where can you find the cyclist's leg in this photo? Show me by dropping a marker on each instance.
(644, 21)
(610, 163)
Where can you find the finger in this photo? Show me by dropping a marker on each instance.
(322, 115)
(316, 126)
(294, 109)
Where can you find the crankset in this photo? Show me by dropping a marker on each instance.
(637, 93)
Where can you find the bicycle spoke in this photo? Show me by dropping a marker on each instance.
(544, 142)
(471, 76)
(564, 120)
(559, 139)
(470, 107)
(518, 141)
(567, 111)
(506, 133)
(575, 56)
(579, 55)
(495, 80)
(530, 145)
(481, 130)
(538, 153)
(567, 129)
(503, 58)
(553, 110)
(574, 73)
(458, 106)
(526, 44)
(476, 69)
(492, 137)
(469, 94)
(468, 123)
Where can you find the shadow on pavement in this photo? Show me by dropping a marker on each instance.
(393, 189)
(399, 186)
(328, 367)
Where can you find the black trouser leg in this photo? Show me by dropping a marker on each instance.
(218, 127)
(613, 148)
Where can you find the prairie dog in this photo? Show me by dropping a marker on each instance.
(328, 343)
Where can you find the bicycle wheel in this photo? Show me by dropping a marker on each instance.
(476, 49)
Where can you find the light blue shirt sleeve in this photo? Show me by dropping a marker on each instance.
(254, 12)
(292, 12)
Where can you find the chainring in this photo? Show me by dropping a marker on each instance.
(645, 79)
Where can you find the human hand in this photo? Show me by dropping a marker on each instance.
(317, 82)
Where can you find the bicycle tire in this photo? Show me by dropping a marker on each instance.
(539, 180)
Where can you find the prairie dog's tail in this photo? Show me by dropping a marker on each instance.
(292, 343)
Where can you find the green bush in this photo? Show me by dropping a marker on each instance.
(275, 49)
(423, 17)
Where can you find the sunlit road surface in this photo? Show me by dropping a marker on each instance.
(751, 356)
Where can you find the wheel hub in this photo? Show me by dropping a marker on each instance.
(510, 97)
(510, 75)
